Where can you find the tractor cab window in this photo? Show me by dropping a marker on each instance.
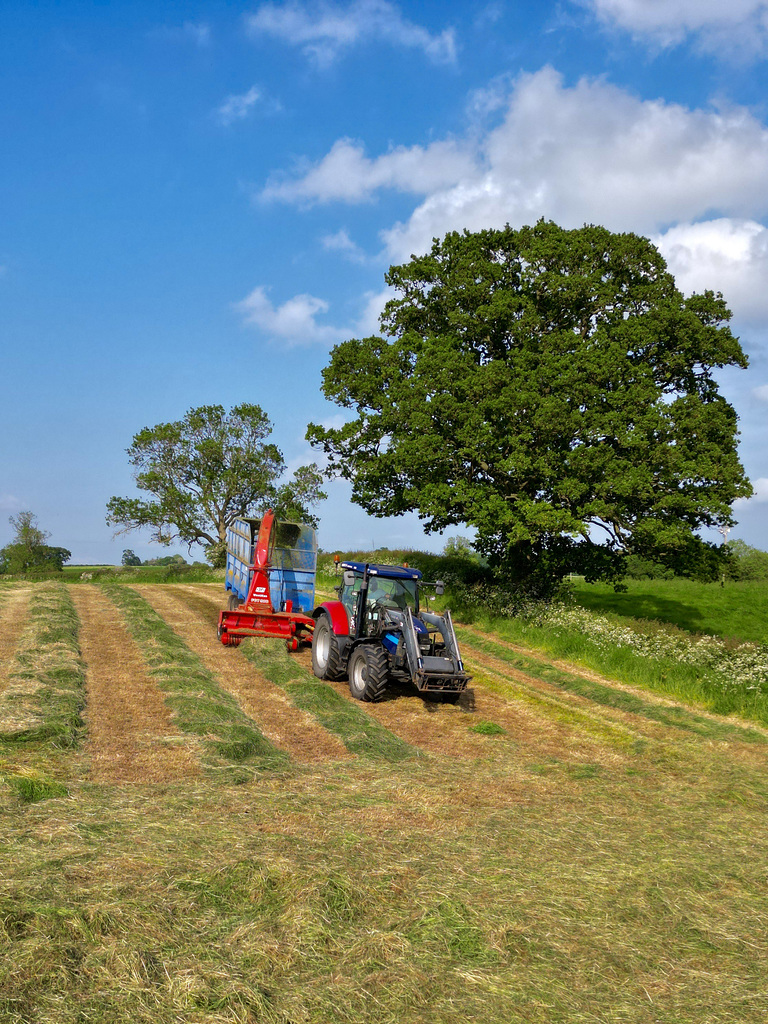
(348, 597)
(383, 595)
(393, 594)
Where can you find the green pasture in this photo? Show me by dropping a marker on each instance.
(737, 610)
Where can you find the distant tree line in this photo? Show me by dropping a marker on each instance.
(130, 558)
(740, 561)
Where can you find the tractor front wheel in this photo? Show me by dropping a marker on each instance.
(368, 673)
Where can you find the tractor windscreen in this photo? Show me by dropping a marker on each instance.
(394, 594)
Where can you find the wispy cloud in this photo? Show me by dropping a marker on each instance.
(347, 174)
(341, 242)
(9, 503)
(237, 107)
(295, 322)
(298, 321)
(196, 32)
(737, 30)
(760, 493)
(324, 30)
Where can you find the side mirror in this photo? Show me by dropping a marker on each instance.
(349, 578)
(439, 588)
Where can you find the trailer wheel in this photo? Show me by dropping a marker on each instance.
(368, 673)
(326, 657)
(234, 602)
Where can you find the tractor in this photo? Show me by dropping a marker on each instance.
(377, 632)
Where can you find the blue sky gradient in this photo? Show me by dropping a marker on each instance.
(200, 199)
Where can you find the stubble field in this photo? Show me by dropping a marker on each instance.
(193, 833)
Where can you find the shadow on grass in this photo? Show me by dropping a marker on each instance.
(643, 606)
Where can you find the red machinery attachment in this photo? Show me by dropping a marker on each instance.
(257, 616)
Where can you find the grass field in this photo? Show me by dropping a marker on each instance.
(199, 834)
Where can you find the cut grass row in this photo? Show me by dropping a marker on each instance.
(608, 696)
(359, 733)
(227, 736)
(41, 705)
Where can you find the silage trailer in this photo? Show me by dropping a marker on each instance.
(270, 578)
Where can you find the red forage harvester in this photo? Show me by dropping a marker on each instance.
(270, 578)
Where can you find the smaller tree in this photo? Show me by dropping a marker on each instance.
(206, 470)
(28, 551)
(130, 557)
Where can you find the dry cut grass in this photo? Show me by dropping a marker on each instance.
(553, 873)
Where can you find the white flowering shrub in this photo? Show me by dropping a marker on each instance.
(743, 667)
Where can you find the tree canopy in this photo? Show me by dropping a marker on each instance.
(551, 388)
(206, 470)
(28, 551)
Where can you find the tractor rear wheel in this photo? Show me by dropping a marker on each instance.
(326, 657)
(368, 673)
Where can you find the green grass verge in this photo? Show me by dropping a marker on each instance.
(199, 705)
(359, 733)
(722, 677)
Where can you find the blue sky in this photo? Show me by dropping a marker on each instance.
(198, 200)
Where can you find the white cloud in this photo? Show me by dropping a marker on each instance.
(761, 393)
(726, 255)
(593, 153)
(347, 174)
(295, 322)
(341, 242)
(588, 153)
(738, 28)
(760, 496)
(368, 322)
(323, 30)
(235, 108)
(198, 32)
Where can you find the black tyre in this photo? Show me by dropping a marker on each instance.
(234, 602)
(368, 673)
(326, 658)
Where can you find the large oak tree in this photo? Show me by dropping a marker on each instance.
(551, 388)
(205, 470)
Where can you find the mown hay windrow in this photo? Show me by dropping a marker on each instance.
(14, 614)
(45, 693)
(131, 733)
(200, 706)
(194, 619)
